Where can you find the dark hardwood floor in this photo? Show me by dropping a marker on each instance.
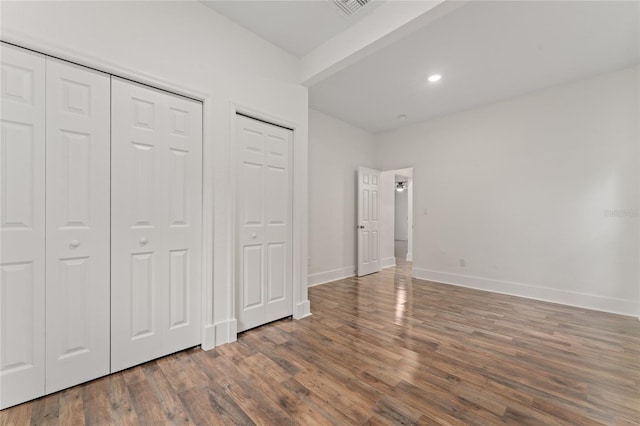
(384, 349)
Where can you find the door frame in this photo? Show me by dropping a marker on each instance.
(299, 309)
(208, 335)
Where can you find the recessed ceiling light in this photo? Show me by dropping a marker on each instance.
(435, 77)
(402, 117)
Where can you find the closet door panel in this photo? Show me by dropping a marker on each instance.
(250, 288)
(156, 223)
(182, 228)
(22, 225)
(278, 222)
(77, 170)
(137, 188)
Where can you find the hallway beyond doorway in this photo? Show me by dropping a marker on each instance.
(400, 249)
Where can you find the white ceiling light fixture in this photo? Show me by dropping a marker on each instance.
(434, 77)
(348, 7)
(400, 186)
(402, 117)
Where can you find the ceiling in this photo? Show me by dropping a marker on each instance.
(297, 26)
(486, 51)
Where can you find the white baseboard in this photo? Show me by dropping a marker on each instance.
(388, 262)
(226, 332)
(328, 276)
(570, 298)
(208, 338)
(303, 310)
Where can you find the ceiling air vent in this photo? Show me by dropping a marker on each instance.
(349, 7)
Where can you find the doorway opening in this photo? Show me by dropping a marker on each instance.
(401, 218)
(396, 242)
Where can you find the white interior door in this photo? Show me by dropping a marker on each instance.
(264, 235)
(156, 195)
(77, 170)
(22, 226)
(368, 208)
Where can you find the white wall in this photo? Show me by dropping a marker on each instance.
(520, 190)
(401, 217)
(189, 47)
(336, 150)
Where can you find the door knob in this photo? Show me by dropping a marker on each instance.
(143, 241)
(74, 244)
(361, 227)
(254, 236)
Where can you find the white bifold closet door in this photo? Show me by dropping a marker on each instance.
(264, 216)
(22, 225)
(54, 221)
(77, 246)
(156, 160)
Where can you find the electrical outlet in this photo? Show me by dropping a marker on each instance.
(463, 263)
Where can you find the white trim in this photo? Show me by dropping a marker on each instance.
(546, 294)
(225, 332)
(300, 302)
(230, 202)
(387, 262)
(302, 310)
(409, 257)
(208, 203)
(203, 95)
(333, 275)
(638, 194)
(208, 337)
(337, 274)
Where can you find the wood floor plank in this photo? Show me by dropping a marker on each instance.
(320, 406)
(212, 405)
(122, 411)
(169, 399)
(147, 406)
(300, 412)
(46, 410)
(384, 349)
(176, 373)
(71, 407)
(394, 412)
(95, 402)
(16, 416)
